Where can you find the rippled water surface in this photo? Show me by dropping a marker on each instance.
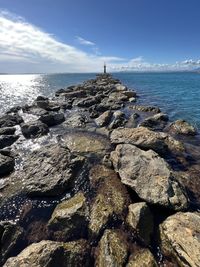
(178, 94)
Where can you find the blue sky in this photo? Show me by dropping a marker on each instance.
(79, 35)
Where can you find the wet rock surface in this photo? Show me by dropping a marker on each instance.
(7, 164)
(91, 178)
(70, 218)
(182, 127)
(34, 129)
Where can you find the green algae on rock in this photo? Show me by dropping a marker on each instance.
(111, 199)
(70, 217)
(112, 250)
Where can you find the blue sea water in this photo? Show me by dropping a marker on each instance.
(177, 94)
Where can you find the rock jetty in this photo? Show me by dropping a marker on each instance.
(90, 178)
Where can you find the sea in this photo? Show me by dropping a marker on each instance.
(177, 94)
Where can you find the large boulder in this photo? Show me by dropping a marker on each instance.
(86, 143)
(52, 254)
(52, 119)
(104, 119)
(179, 235)
(34, 129)
(182, 127)
(155, 122)
(49, 170)
(149, 176)
(10, 237)
(88, 101)
(112, 250)
(70, 218)
(10, 120)
(110, 201)
(140, 219)
(146, 139)
(119, 119)
(7, 164)
(76, 120)
(7, 140)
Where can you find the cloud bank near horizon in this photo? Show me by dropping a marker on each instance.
(27, 48)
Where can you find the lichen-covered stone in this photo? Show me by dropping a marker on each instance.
(70, 217)
(85, 142)
(146, 139)
(179, 235)
(182, 127)
(142, 258)
(111, 199)
(112, 250)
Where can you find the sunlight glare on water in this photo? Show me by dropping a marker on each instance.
(13, 88)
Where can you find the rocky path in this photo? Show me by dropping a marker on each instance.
(90, 178)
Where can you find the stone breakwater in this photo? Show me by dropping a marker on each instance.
(90, 178)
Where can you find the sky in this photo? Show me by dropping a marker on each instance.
(80, 35)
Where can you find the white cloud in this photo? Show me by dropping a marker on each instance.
(27, 48)
(139, 64)
(22, 41)
(84, 41)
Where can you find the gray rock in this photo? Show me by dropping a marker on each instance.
(49, 170)
(149, 176)
(77, 94)
(76, 120)
(119, 120)
(112, 250)
(130, 94)
(52, 254)
(156, 122)
(52, 119)
(34, 129)
(7, 140)
(120, 87)
(7, 131)
(10, 235)
(182, 127)
(179, 235)
(146, 108)
(34, 110)
(146, 139)
(7, 164)
(42, 102)
(104, 118)
(140, 219)
(10, 120)
(70, 218)
(86, 143)
(88, 102)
